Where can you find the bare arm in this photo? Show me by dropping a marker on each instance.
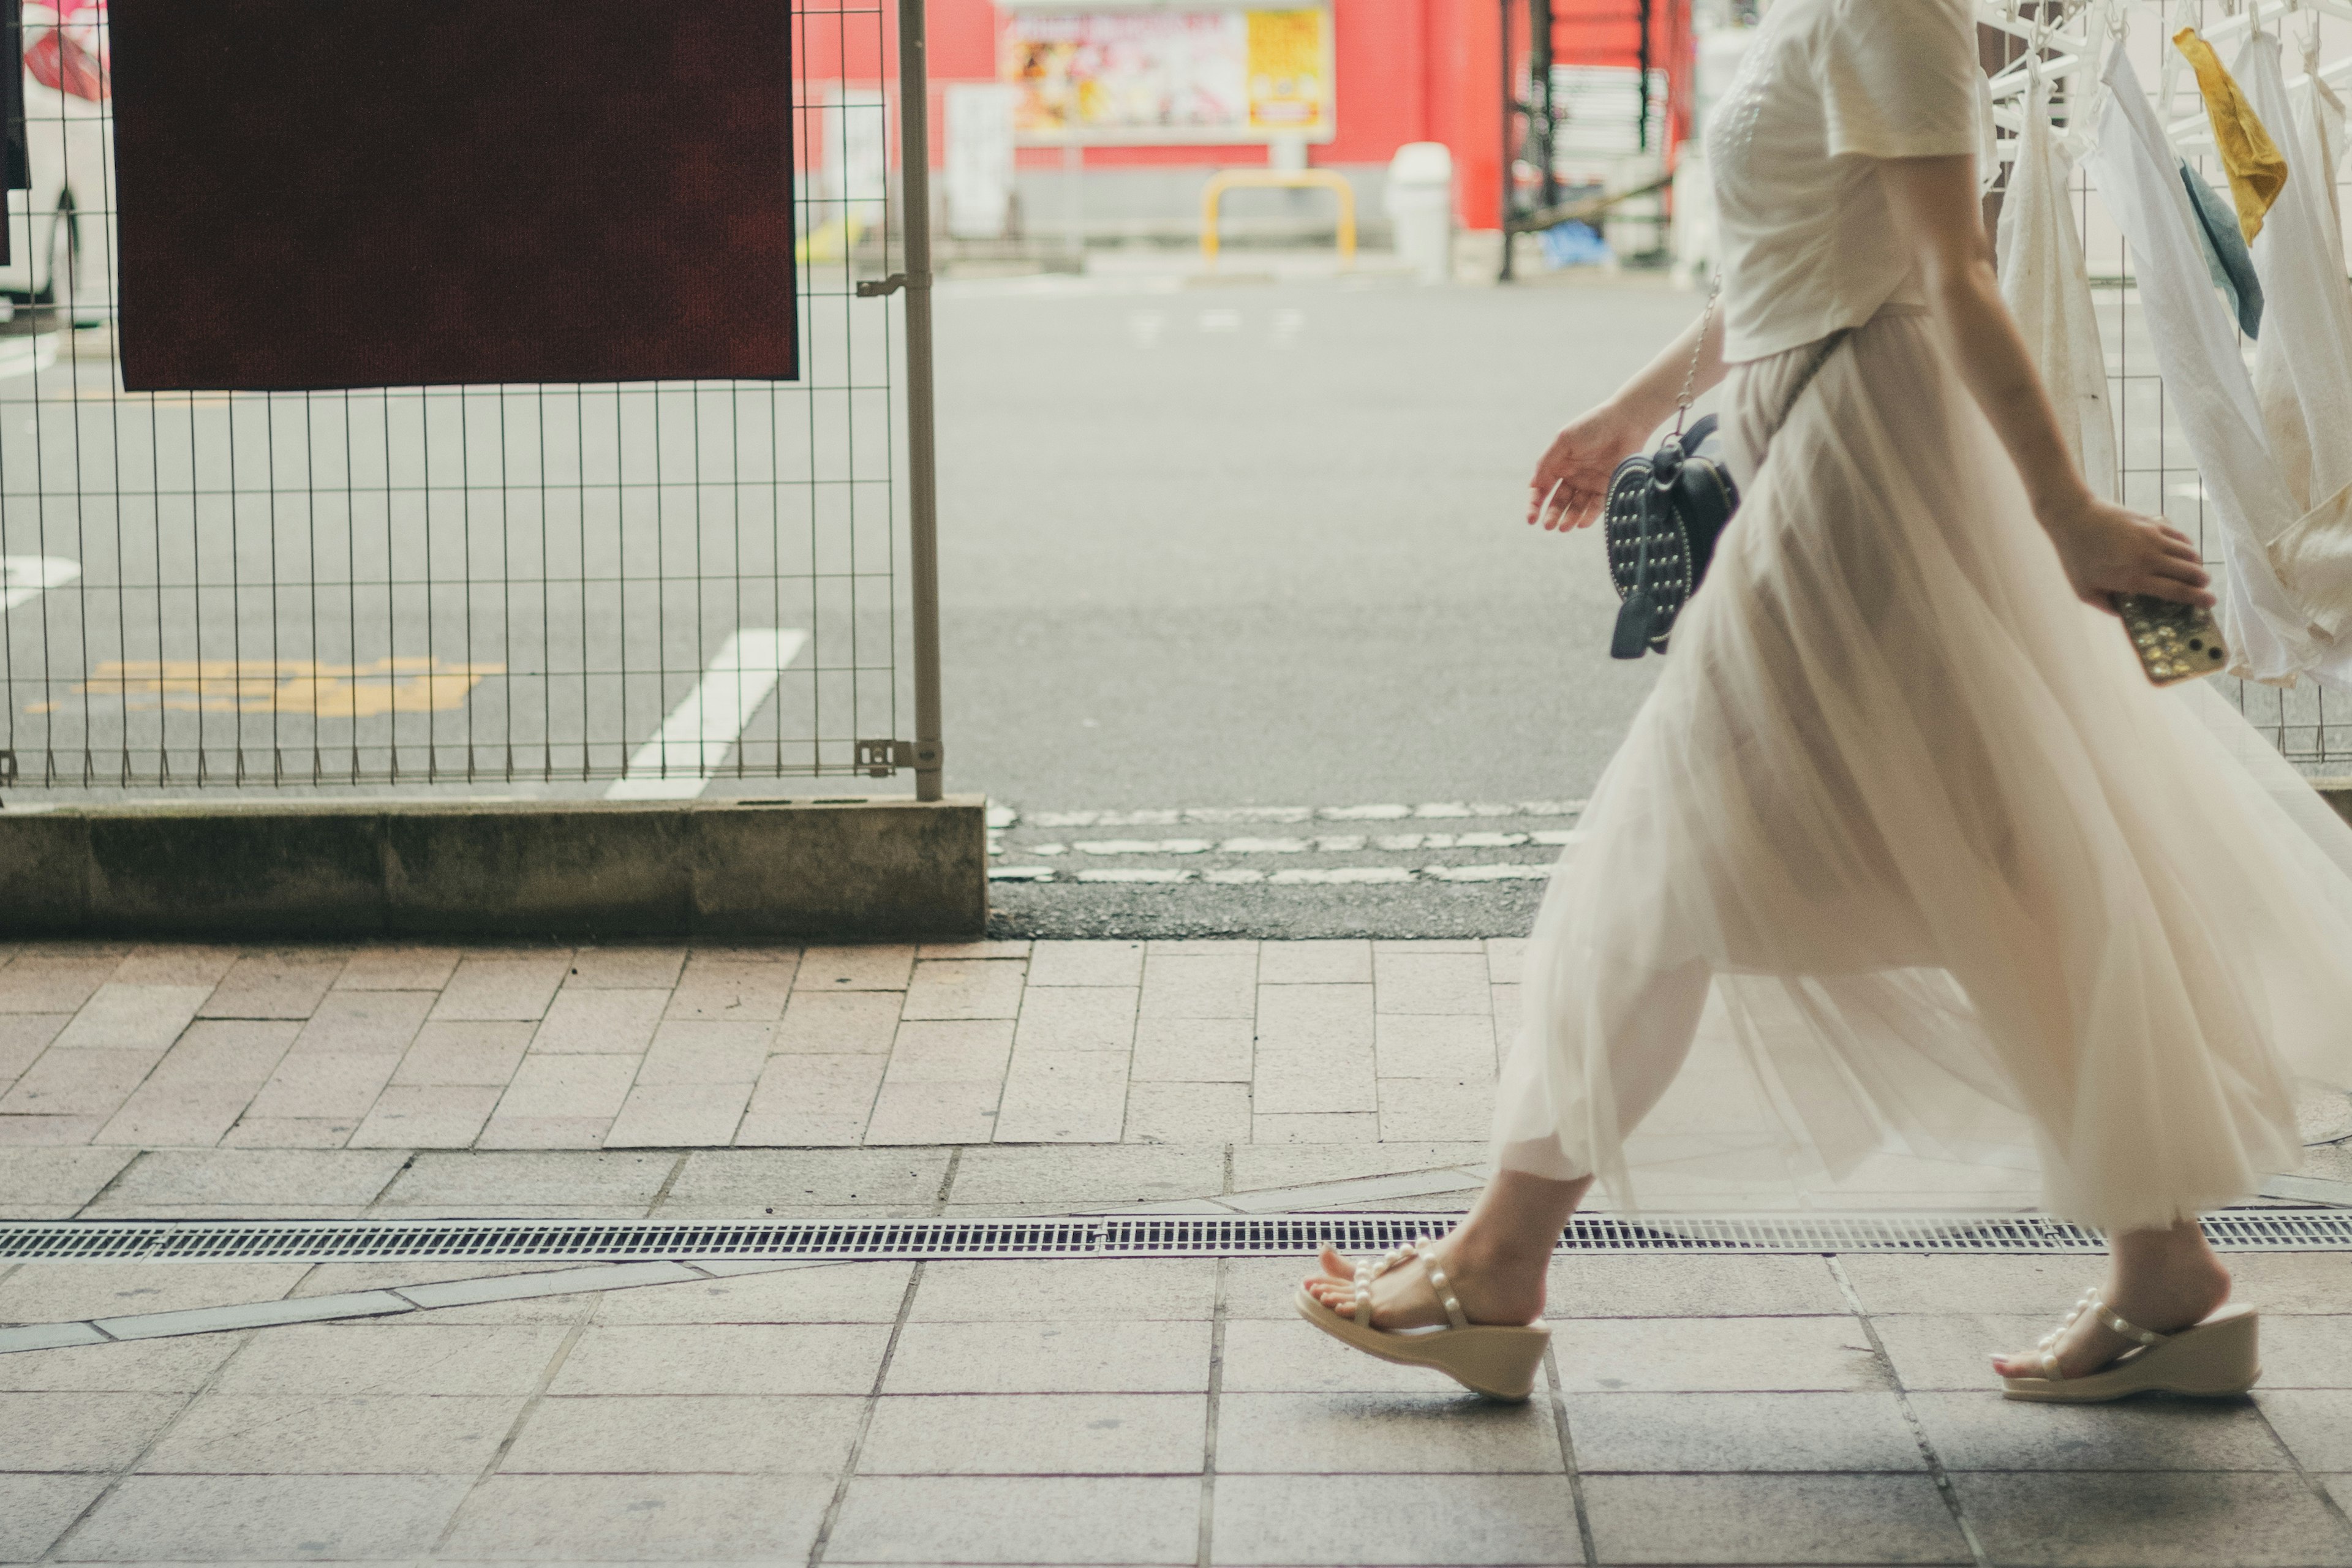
(1571, 479)
(2105, 548)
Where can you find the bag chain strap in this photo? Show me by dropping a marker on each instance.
(1698, 351)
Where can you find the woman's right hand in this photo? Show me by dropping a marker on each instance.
(2109, 549)
(1571, 479)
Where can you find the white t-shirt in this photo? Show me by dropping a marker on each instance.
(1828, 86)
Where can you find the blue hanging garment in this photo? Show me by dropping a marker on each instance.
(2226, 257)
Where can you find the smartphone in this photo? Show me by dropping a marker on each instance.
(2175, 642)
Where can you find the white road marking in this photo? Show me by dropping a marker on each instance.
(1137, 874)
(1146, 847)
(1342, 874)
(1287, 325)
(1296, 877)
(1221, 321)
(1485, 873)
(1262, 847)
(24, 578)
(1145, 327)
(693, 742)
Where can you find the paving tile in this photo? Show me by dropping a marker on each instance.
(1771, 1518)
(1188, 1113)
(464, 1054)
(1389, 1519)
(805, 1358)
(1005, 949)
(543, 1132)
(1089, 1175)
(1067, 1291)
(255, 1519)
(396, 968)
(57, 1178)
(1315, 963)
(194, 1094)
(1327, 1127)
(1193, 1050)
(375, 1021)
(1063, 1097)
(2152, 1519)
(1260, 1168)
(712, 1434)
(1434, 1046)
(23, 1036)
(1018, 1518)
(834, 1293)
(335, 1086)
(1078, 1018)
(1422, 982)
(2297, 1283)
(1037, 1435)
(258, 1176)
(1434, 1109)
(485, 990)
(1343, 1434)
(282, 984)
(1889, 1283)
(1506, 1019)
(253, 1132)
(53, 984)
(1735, 1431)
(1953, 1351)
(1982, 1431)
(679, 1115)
(1200, 985)
(133, 1017)
(926, 1113)
(793, 1180)
(622, 1179)
(36, 1510)
(1054, 964)
(711, 1518)
(1593, 1285)
(1286, 1355)
(78, 1083)
(951, 1052)
(883, 966)
(1316, 1081)
(688, 1051)
(2307, 1351)
(301, 1434)
(47, 1132)
(1718, 1355)
(60, 1292)
(812, 1099)
(568, 1085)
(425, 1119)
(400, 1357)
(97, 1432)
(145, 1366)
(612, 1022)
(847, 1023)
(1309, 1019)
(171, 963)
(1133, 1356)
(1503, 956)
(625, 968)
(963, 989)
(2315, 1424)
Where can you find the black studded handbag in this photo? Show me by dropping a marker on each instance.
(1668, 508)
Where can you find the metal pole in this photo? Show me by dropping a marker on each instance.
(922, 463)
(1510, 107)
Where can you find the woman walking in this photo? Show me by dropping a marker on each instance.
(1903, 806)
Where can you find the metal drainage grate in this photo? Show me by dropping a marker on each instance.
(1103, 1236)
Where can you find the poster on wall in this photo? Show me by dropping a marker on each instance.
(1126, 77)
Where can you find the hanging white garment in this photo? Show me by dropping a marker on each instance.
(2302, 365)
(2139, 177)
(2049, 292)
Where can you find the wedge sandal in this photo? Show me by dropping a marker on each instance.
(1492, 1358)
(2213, 1358)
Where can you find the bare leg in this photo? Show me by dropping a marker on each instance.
(1496, 1261)
(2162, 1281)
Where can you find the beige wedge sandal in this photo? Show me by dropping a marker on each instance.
(1497, 1361)
(2213, 1358)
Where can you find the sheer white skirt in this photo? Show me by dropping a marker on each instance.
(1935, 882)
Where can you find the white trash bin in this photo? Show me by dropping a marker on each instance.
(1419, 203)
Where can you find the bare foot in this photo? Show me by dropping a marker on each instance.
(2162, 1300)
(1490, 1291)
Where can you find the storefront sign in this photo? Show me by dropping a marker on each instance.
(1139, 77)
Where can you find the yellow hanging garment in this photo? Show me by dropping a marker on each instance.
(2257, 170)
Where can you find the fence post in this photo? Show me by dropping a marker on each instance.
(922, 471)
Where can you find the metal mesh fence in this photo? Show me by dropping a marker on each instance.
(651, 584)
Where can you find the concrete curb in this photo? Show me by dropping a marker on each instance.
(873, 867)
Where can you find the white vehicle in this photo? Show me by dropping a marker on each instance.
(60, 232)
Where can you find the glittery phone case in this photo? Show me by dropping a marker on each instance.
(2175, 642)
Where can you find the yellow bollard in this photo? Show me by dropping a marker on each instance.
(1226, 180)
